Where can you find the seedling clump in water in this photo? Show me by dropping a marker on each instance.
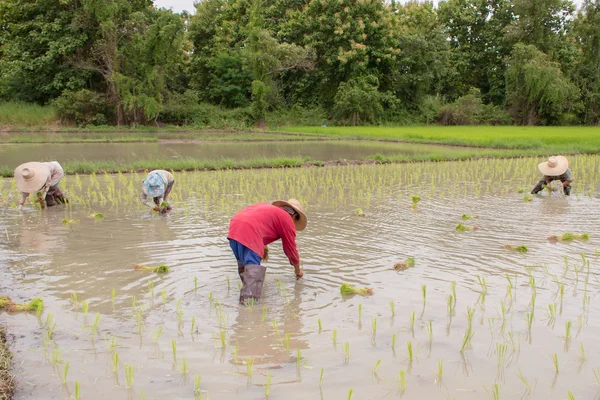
(569, 237)
(409, 263)
(161, 269)
(359, 212)
(520, 249)
(347, 289)
(36, 304)
(466, 217)
(464, 228)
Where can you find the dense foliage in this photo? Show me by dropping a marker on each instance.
(251, 62)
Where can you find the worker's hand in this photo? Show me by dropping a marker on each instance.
(156, 208)
(299, 272)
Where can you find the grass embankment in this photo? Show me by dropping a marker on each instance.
(536, 139)
(149, 136)
(7, 381)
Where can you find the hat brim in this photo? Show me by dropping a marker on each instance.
(41, 174)
(301, 223)
(561, 167)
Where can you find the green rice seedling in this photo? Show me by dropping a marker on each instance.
(275, 327)
(529, 319)
(151, 289)
(77, 390)
(359, 311)
(36, 304)
(157, 334)
(552, 311)
(393, 342)
(409, 348)
(133, 303)
(453, 290)
(163, 295)
(482, 284)
(466, 217)
(115, 361)
(408, 263)
(128, 375)
(520, 249)
(359, 212)
(568, 330)
(555, 361)
(197, 382)
(85, 305)
(570, 396)
(569, 237)
(466, 342)
(298, 358)
(69, 221)
(415, 200)
(440, 373)
(524, 381)
(347, 289)
(195, 283)
(161, 269)
(210, 297)
(268, 387)
(95, 325)
(96, 216)
(174, 348)
(193, 325)
(424, 293)
(113, 294)
(374, 326)
(321, 376)
(74, 299)
(228, 282)
(286, 341)
(527, 197)
(450, 305)
(223, 338)
(412, 322)
(501, 355)
(582, 356)
(184, 366)
(65, 373)
(350, 394)
(495, 390)
(376, 367)
(320, 325)
(393, 308)
(49, 319)
(55, 357)
(334, 335)
(402, 381)
(430, 331)
(249, 365)
(346, 347)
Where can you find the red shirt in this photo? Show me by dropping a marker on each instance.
(261, 224)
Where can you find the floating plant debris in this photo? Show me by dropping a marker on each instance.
(520, 249)
(464, 228)
(569, 237)
(161, 269)
(409, 263)
(466, 217)
(349, 289)
(95, 215)
(6, 302)
(69, 221)
(415, 199)
(359, 212)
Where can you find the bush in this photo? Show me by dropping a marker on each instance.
(297, 115)
(83, 107)
(470, 110)
(430, 108)
(358, 101)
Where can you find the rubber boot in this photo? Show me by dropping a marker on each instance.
(253, 277)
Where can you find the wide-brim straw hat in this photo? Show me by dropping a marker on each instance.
(153, 185)
(555, 166)
(31, 176)
(295, 204)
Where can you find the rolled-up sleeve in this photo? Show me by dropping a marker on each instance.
(144, 200)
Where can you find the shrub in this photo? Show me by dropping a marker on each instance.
(358, 101)
(83, 107)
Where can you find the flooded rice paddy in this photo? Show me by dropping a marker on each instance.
(12, 155)
(470, 320)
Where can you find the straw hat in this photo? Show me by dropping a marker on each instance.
(295, 204)
(153, 185)
(31, 176)
(555, 166)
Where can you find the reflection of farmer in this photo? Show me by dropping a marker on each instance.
(555, 169)
(255, 227)
(41, 178)
(158, 185)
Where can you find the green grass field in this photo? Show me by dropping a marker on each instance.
(26, 115)
(545, 140)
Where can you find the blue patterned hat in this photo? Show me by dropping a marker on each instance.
(153, 185)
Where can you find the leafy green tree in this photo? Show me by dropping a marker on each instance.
(537, 90)
(587, 71)
(358, 100)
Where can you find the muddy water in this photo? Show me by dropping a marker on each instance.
(13, 155)
(39, 256)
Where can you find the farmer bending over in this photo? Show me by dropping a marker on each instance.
(255, 227)
(158, 185)
(555, 169)
(41, 178)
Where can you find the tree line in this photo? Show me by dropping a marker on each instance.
(125, 62)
